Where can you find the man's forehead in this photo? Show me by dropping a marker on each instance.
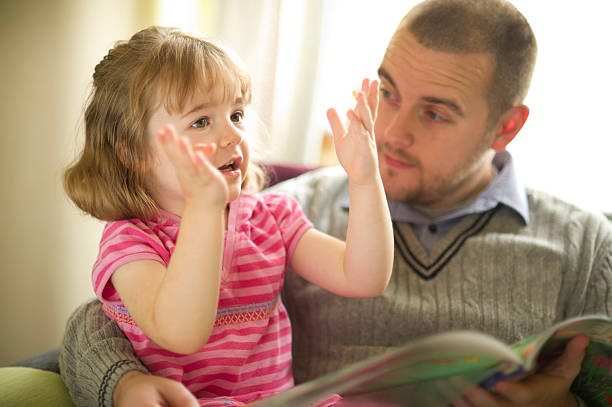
(408, 63)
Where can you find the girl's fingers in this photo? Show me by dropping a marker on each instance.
(187, 155)
(336, 124)
(164, 133)
(207, 149)
(202, 152)
(201, 161)
(365, 85)
(169, 142)
(178, 149)
(363, 112)
(356, 126)
(372, 97)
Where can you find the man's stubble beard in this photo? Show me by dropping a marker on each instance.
(428, 192)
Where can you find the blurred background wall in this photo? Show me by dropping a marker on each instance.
(48, 51)
(305, 56)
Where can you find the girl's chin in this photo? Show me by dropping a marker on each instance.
(234, 192)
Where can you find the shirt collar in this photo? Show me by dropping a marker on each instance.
(505, 189)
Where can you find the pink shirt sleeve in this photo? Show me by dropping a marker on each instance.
(290, 219)
(124, 242)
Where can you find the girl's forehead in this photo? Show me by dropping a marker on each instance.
(177, 100)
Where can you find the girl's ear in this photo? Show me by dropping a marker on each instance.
(126, 157)
(508, 126)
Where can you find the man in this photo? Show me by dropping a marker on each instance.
(473, 249)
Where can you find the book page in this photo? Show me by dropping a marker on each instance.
(594, 382)
(444, 365)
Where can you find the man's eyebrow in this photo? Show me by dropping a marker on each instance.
(384, 75)
(429, 99)
(445, 102)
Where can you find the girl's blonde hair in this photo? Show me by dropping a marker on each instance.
(107, 180)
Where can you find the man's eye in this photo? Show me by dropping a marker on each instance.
(385, 93)
(237, 117)
(200, 123)
(435, 116)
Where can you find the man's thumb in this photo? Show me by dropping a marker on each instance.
(568, 364)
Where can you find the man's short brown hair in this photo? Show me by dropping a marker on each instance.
(493, 27)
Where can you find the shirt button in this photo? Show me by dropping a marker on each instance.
(433, 228)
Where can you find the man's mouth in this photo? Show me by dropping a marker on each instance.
(398, 162)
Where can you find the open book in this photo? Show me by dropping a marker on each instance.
(435, 370)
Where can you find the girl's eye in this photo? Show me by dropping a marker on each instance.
(237, 117)
(200, 123)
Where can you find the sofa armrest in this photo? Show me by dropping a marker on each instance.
(279, 172)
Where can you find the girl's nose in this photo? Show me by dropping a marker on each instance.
(231, 136)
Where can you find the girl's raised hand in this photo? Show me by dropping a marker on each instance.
(356, 148)
(201, 182)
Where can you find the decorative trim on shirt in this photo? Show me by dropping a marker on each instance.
(429, 271)
(119, 313)
(238, 314)
(235, 314)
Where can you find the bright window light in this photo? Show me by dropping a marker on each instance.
(180, 13)
(565, 147)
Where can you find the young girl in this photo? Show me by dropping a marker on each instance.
(191, 262)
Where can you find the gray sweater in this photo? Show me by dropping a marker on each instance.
(490, 273)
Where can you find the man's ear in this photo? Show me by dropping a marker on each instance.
(508, 126)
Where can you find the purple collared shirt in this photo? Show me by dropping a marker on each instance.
(505, 189)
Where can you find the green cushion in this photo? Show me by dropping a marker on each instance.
(25, 386)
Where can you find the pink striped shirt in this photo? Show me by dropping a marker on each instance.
(248, 355)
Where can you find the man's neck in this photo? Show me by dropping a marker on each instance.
(435, 213)
(437, 210)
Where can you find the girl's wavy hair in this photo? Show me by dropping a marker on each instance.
(107, 179)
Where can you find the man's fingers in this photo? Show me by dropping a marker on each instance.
(176, 394)
(517, 393)
(478, 396)
(568, 364)
(562, 370)
(460, 402)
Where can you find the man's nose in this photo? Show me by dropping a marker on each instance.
(400, 128)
